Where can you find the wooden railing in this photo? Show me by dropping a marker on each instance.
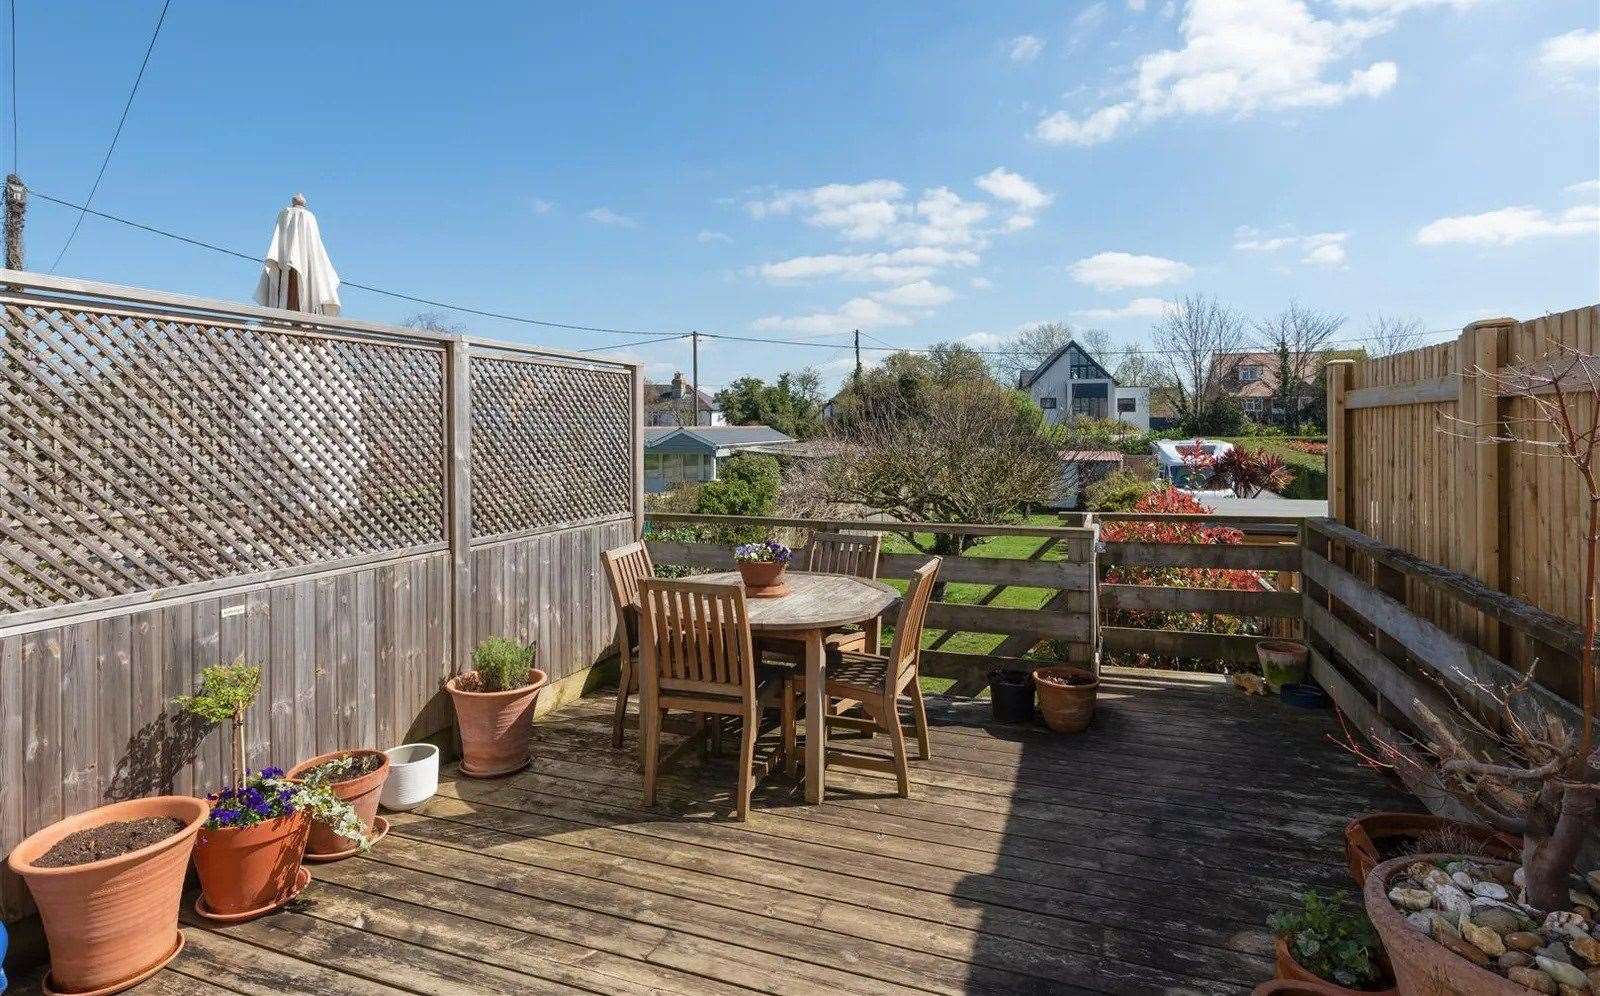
(1271, 546)
(1382, 662)
(1063, 561)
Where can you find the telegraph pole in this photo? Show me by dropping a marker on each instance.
(16, 210)
(858, 359)
(694, 383)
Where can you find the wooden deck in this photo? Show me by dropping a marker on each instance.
(1142, 856)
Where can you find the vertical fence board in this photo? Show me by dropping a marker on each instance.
(41, 678)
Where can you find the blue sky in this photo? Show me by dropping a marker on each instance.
(929, 172)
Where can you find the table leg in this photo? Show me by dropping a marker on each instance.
(874, 632)
(816, 720)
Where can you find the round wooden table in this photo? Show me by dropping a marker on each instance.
(816, 604)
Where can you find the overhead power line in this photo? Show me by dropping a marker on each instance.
(16, 129)
(654, 336)
(126, 107)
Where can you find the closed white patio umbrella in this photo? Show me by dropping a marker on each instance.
(297, 274)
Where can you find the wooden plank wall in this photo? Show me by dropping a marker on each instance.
(350, 659)
(1417, 477)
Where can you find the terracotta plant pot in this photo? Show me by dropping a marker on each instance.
(1422, 965)
(761, 573)
(1290, 970)
(111, 922)
(253, 868)
(361, 792)
(495, 726)
(1065, 697)
(1283, 662)
(1367, 837)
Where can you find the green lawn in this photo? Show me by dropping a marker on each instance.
(999, 547)
(1310, 471)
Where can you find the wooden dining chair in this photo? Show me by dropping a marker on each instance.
(845, 553)
(697, 656)
(875, 681)
(626, 566)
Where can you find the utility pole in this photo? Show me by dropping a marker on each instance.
(858, 360)
(694, 384)
(16, 210)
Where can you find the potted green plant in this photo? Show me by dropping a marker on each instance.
(494, 707)
(1330, 941)
(356, 777)
(1283, 662)
(248, 852)
(761, 566)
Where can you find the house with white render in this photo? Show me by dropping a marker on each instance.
(1070, 383)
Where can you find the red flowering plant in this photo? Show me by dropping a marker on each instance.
(1171, 500)
(1250, 472)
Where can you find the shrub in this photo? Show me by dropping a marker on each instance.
(224, 696)
(1260, 430)
(1331, 939)
(1314, 447)
(1248, 472)
(502, 664)
(1118, 491)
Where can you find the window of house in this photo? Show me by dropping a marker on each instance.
(1251, 372)
(1047, 403)
(1255, 405)
(1127, 406)
(1084, 371)
(1089, 407)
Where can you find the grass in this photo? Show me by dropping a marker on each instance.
(998, 547)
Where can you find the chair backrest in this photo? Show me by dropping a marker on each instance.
(626, 566)
(844, 553)
(913, 611)
(694, 637)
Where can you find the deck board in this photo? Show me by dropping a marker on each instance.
(1141, 857)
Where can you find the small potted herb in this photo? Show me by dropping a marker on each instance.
(353, 776)
(761, 565)
(248, 851)
(494, 707)
(1330, 941)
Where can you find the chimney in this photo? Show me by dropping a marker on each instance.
(680, 390)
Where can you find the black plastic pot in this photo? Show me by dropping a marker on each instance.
(1011, 696)
(1306, 696)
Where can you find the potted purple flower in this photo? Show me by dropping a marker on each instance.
(761, 565)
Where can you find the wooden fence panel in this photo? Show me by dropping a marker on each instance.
(1421, 472)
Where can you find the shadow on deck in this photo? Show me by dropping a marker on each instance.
(1142, 856)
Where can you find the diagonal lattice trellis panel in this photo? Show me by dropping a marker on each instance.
(551, 444)
(142, 452)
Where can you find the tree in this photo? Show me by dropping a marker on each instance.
(909, 384)
(1194, 338)
(1138, 369)
(1298, 338)
(792, 405)
(1391, 334)
(435, 321)
(981, 455)
(746, 484)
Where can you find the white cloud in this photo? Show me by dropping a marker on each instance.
(706, 237)
(1320, 249)
(1025, 48)
(857, 211)
(1508, 226)
(982, 340)
(606, 216)
(856, 313)
(896, 266)
(1239, 57)
(1571, 57)
(1588, 188)
(982, 283)
(538, 205)
(942, 217)
(1025, 197)
(921, 294)
(1398, 6)
(1139, 307)
(1136, 5)
(1108, 271)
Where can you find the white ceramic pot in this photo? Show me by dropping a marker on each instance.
(413, 776)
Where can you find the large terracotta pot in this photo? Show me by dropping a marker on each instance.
(1366, 837)
(253, 868)
(1066, 697)
(495, 726)
(111, 922)
(760, 574)
(1423, 966)
(361, 792)
(1290, 970)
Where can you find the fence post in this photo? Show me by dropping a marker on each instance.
(458, 496)
(1478, 404)
(1338, 372)
(638, 449)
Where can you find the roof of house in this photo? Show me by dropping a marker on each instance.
(1038, 371)
(657, 394)
(1092, 456)
(710, 437)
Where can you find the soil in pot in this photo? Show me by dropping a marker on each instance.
(1454, 925)
(1066, 697)
(1011, 696)
(1374, 838)
(108, 840)
(112, 921)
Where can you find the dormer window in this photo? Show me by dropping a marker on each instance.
(1249, 373)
